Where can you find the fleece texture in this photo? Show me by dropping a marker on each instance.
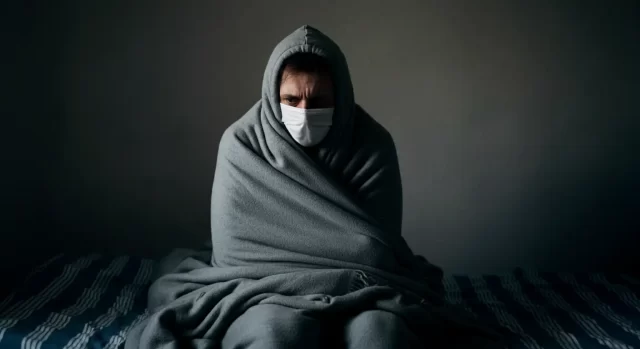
(317, 229)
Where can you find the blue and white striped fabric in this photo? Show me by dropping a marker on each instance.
(92, 301)
(72, 303)
(555, 310)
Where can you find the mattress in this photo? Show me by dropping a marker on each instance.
(76, 302)
(92, 301)
(554, 310)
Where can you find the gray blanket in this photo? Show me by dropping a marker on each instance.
(317, 230)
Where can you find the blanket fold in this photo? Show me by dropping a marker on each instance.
(312, 229)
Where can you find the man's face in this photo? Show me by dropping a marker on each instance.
(306, 91)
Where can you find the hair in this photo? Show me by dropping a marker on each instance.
(306, 62)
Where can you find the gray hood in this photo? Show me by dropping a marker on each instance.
(314, 231)
(353, 174)
(307, 39)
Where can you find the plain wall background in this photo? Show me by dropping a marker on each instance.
(30, 125)
(516, 123)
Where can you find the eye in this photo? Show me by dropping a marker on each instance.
(291, 100)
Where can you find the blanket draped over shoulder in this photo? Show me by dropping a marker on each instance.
(317, 230)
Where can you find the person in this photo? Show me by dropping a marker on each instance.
(306, 248)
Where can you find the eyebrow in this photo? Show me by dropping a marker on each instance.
(288, 95)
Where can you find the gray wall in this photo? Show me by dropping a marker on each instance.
(30, 116)
(516, 125)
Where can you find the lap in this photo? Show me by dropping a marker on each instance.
(273, 326)
(277, 326)
(378, 329)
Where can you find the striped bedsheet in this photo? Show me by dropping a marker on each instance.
(76, 302)
(555, 310)
(92, 301)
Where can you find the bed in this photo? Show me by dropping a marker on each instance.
(76, 302)
(92, 301)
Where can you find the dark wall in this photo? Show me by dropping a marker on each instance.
(30, 127)
(516, 122)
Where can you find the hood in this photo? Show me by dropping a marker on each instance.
(310, 40)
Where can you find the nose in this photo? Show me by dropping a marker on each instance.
(304, 104)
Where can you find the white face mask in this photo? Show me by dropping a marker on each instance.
(308, 127)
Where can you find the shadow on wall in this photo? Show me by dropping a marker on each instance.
(525, 152)
(30, 130)
(515, 123)
(586, 216)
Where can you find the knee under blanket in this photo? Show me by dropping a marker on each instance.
(313, 229)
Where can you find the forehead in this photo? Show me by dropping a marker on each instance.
(293, 81)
